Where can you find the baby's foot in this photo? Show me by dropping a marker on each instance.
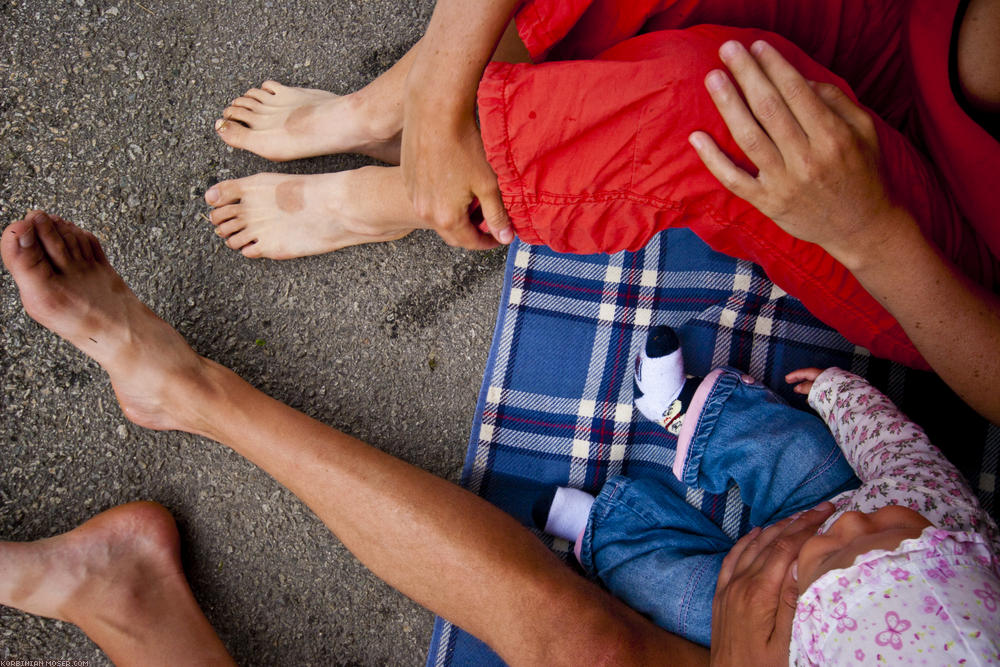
(281, 216)
(662, 391)
(68, 286)
(283, 123)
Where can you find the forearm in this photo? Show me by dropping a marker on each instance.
(459, 42)
(874, 435)
(953, 322)
(442, 546)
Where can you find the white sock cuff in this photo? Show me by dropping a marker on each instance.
(660, 379)
(569, 513)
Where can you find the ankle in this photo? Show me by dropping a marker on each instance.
(378, 120)
(197, 397)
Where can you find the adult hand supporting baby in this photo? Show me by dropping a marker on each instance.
(442, 155)
(818, 179)
(755, 596)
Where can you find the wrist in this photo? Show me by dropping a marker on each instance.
(443, 79)
(873, 240)
(441, 96)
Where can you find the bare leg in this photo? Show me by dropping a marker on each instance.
(284, 123)
(118, 577)
(437, 543)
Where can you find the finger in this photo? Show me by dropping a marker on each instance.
(803, 388)
(803, 374)
(747, 134)
(778, 544)
(811, 114)
(495, 215)
(734, 179)
(462, 234)
(729, 562)
(842, 105)
(768, 106)
(785, 613)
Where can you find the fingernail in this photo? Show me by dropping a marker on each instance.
(715, 80)
(218, 124)
(506, 235)
(696, 140)
(730, 49)
(795, 571)
(27, 239)
(212, 195)
(758, 47)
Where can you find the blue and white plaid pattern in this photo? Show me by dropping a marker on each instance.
(556, 402)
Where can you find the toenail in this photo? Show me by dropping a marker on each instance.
(27, 239)
(219, 124)
(212, 195)
(506, 235)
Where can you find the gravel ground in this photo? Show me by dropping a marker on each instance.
(106, 112)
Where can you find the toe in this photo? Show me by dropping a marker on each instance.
(253, 251)
(95, 246)
(238, 240)
(247, 103)
(223, 213)
(232, 133)
(271, 86)
(224, 192)
(239, 113)
(22, 252)
(82, 238)
(259, 95)
(70, 238)
(227, 229)
(53, 242)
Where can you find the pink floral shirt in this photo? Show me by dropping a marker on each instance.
(935, 599)
(893, 458)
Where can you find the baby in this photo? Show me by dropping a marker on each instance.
(905, 569)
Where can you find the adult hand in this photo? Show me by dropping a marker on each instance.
(756, 595)
(815, 150)
(445, 168)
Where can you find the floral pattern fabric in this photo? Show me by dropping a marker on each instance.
(893, 458)
(934, 600)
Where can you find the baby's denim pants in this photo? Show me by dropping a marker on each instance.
(660, 554)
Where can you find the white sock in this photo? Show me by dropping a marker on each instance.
(569, 513)
(659, 373)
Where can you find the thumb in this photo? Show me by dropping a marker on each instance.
(495, 215)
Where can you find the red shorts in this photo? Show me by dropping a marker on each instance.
(590, 146)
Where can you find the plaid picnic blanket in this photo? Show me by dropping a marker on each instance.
(556, 400)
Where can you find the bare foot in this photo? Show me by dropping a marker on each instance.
(281, 216)
(119, 578)
(283, 123)
(59, 577)
(68, 286)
